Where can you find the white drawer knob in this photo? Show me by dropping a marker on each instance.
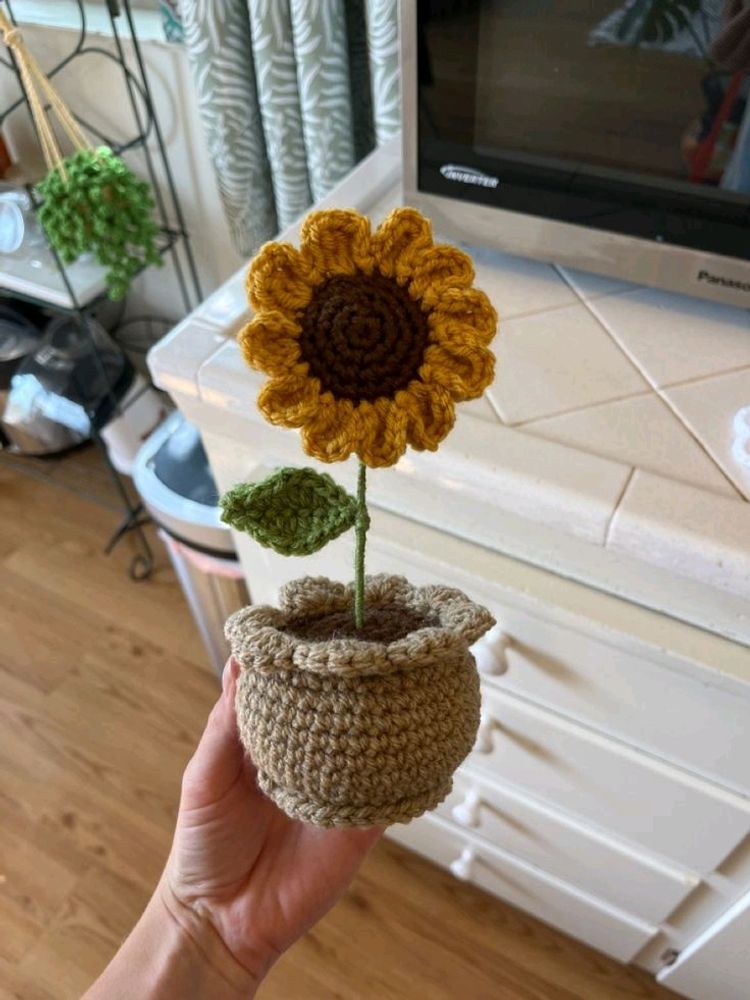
(467, 812)
(491, 653)
(484, 743)
(461, 867)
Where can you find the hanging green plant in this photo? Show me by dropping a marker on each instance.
(99, 206)
(92, 201)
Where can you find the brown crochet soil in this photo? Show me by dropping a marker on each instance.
(382, 624)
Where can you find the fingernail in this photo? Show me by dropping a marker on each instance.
(230, 673)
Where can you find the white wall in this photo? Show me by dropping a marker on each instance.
(93, 87)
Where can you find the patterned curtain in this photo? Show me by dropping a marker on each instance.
(292, 94)
(170, 15)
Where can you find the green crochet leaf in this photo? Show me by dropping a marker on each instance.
(294, 512)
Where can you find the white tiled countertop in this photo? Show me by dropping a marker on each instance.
(603, 450)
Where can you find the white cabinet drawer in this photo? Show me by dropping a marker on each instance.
(636, 699)
(714, 965)
(549, 899)
(594, 863)
(667, 811)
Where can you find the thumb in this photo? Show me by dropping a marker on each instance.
(218, 759)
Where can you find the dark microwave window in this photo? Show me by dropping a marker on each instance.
(631, 116)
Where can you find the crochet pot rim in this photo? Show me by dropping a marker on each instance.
(260, 642)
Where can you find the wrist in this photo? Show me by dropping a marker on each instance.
(199, 950)
(171, 955)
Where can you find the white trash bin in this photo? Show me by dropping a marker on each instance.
(172, 475)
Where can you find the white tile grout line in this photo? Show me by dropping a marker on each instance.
(704, 447)
(590, 306)
(560, 268)
(658, 391)
(495, 409)
(559, 307)
(709, 451)
(529, 424)
(561, 273)
(705, 378)
(618, 504)
(502, 318)
(551, 309)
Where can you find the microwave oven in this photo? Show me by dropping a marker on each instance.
(610, 137)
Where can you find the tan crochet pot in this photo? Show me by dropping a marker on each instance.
(357, 730)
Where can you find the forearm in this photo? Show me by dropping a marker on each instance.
(172, 955)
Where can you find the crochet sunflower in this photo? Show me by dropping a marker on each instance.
(369, 341)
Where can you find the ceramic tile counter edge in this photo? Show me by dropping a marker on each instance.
(686, 530)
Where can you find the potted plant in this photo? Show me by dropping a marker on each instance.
(357, 702)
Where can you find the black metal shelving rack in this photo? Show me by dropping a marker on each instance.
(173, 240)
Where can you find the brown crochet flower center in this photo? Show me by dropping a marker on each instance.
(363, 336)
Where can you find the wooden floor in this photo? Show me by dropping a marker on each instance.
(103, 692)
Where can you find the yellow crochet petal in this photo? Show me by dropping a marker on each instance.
(337, 241)
(462, 309)
(437, 270)
(403, 314)
(383, 429)
(280, 278)
(462, 366)
(269, 343)
(430, 414)
(331, 433)
(290, 400)
(398, 241)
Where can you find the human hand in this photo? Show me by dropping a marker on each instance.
(241, 869)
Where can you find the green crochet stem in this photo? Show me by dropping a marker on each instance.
(361, 525)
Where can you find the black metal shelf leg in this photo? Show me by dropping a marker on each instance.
(146, 121)
(133, 522)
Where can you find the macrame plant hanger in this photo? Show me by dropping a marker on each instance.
(91, 200)
(40, 91)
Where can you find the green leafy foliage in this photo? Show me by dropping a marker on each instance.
(295, 512)
(658, 20)
(104, 209)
